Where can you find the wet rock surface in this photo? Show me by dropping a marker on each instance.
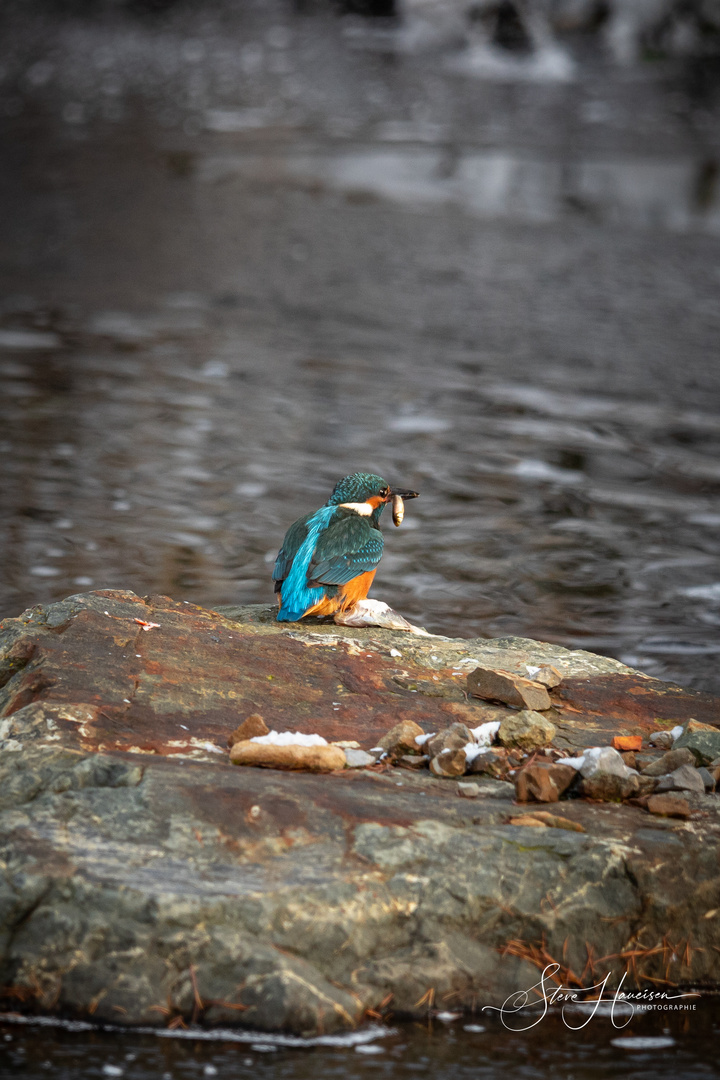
(146, 879)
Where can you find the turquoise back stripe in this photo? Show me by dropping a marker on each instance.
(296, 596)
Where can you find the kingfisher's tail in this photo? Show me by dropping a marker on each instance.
(285, 615)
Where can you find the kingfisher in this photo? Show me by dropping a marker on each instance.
(328, 558)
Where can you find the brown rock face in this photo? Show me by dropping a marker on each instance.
(308, 758)
(543, 783)
(527, 729)
(496, 685)
(401, 739)
(669, 805)
(453, 738)
(249, 729)
(449, 763)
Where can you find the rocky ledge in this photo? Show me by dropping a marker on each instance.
(146, 879)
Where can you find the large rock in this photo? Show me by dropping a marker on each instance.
(142, 872)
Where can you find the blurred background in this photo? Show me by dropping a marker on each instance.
(249, 246)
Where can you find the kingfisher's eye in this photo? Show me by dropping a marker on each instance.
(385, 491)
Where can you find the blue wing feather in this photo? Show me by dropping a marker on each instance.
(293, 541)
(349, 547)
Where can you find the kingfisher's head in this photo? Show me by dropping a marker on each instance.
(366, 493)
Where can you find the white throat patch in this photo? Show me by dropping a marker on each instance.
(364, 509)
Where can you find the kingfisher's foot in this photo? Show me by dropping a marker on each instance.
(376, 613)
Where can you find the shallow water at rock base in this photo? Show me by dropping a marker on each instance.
(477, 1048)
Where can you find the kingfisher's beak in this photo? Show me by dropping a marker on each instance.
(403, 493)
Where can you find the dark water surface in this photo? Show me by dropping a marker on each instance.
(198, 336)
(682, 1046)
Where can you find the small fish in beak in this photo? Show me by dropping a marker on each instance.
(398, 503)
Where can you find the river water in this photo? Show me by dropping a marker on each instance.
(240, 259)
(235, 269)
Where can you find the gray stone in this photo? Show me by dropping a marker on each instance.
(663, 740)
(609, 787)
(669, 762)
(527, 729)
(358, 759)
(704, 744)
(707, 778)
(413, 761)
(604, 759)
(686, 778)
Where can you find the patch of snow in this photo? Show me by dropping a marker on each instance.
(472, 749)
(677, 731)
(422, 739)
(574, 762)
(532, 670)
(447, 1017)
(485, 733)
(289, 738)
